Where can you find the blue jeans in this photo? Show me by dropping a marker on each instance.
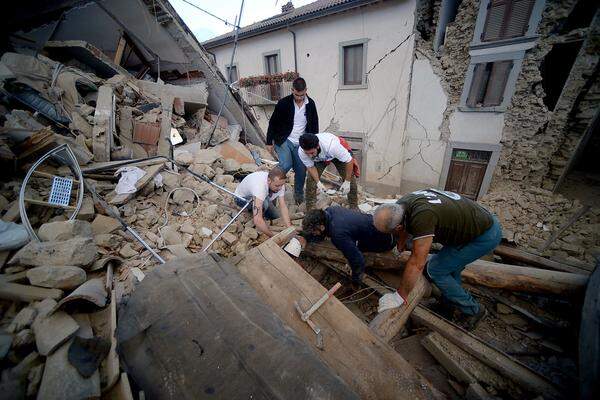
(444, 268)
(288, 156)
(270, 212)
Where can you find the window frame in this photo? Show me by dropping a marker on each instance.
(341, 46)
(227, 67)
(515, 56)
(266, 64)
(530, 34)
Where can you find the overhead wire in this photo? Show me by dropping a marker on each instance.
(235, 25)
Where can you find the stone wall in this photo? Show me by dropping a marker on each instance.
(534, 141)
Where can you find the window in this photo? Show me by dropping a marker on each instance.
(353, 62)
(232, 74)
(489, 83)
(272, 62)
(506, 19)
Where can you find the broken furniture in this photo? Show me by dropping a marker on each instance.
(196, 328)
(60, 194)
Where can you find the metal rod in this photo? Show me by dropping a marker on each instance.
(227, 226)
(226, 94)
(146, 245)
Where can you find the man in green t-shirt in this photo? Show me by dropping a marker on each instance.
(466, 230)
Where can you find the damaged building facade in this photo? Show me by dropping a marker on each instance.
(456, 95)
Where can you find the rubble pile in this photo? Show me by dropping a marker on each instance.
(530, 216)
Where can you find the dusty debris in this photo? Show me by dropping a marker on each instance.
(64, 277)
(79, 251)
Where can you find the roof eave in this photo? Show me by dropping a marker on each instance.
(303, 18)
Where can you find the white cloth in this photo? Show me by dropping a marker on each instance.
(128, 179)
(331, 148)
(345, 189)
(299, 126)
(256, 185)
(390, 300)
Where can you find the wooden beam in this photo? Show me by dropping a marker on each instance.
(120, 50)
(387, 324)
(496, 359)
(111, 369)
(15, 291)
(523, 279)
(283, 237)
(434, 345)
(536, 260)
(479, 272)
(366, 363)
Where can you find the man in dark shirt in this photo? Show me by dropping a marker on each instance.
(350, 231)
(294, 115)
(465, 229)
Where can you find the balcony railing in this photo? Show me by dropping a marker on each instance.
(263, 94)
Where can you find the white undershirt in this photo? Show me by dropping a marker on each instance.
(256, 185)
(299, 121)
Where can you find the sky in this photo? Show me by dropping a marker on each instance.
(205, 27)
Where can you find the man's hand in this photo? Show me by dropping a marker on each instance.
(345, 188)
(321, 188)
(389, 301)
(270, 148)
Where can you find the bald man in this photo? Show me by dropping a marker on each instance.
(466, 230)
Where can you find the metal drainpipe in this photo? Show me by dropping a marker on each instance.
(295, 56)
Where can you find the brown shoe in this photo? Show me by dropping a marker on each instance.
(470, 322)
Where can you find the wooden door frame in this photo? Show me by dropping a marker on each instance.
(494, 157)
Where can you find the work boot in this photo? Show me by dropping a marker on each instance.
(470, 322)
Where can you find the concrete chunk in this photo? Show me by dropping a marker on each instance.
(64, 230)
(67, 277)
(53, 330)
(79, 252)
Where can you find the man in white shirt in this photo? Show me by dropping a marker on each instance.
(263, 188)
(316, 152)
(293, 116)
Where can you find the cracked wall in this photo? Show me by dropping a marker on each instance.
(378, 112)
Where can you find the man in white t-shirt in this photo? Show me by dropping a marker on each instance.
(263, 188)
(316, 152)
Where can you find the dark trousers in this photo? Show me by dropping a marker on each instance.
(311, 185)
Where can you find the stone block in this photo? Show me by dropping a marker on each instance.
(64, 277)
(52, 331)
(79, 252)
(65, 230)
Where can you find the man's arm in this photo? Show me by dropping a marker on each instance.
(312, 171)
(401, 243)
(273, 126)
(415, 265)
(349, 170)
(257, 217)
(285, 214)
(350, 250)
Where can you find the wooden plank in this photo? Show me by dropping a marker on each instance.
(589, 345)
(366, 363)
(15, 291)
(463, 365)
(111, 369)
(565, 226)
(151, 172)
(537, 261)
(46, 204)
(120, 49)
(501, 362)
(432, 343)
(283, 237)
(388, 323)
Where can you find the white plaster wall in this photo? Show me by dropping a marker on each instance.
(477, 127)
(379, 111)
(424, 150)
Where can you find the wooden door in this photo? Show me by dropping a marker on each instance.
(466, 172)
